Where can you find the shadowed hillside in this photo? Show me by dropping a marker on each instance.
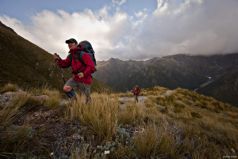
(27, 65)
(225, 88)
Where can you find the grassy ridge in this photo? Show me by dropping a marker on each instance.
(166, 124)
(174, 71)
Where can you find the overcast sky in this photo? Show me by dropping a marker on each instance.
(127, 29)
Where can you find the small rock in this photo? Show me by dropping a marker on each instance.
(106, 152)
(99, 147)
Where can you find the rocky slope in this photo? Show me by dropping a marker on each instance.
(169, 124)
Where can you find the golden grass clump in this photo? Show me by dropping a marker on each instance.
(80, 153)
(10, 111)
(100, 115)
(16, 138)
(154, 140)
(131, 114)
(18, 106)
(53, 99)
(9, 87)
(147, 141)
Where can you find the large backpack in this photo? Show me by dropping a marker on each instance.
(86, 47)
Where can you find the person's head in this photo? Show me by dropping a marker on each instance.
(72, 43)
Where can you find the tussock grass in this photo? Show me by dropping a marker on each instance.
(155, 91)
(16, 138)
(196, 115)
(178, 106)
(80, 153)
(198, 144)
(18, 106)
(212, 136)
(152, 113)
(19, 140)
(122, 151)
(168, 124)
(49, 97)
(147, 141)
(132, 114)
(100, 115)
(161, 100)
(9, 87)
(53, 99)
(37, 91)
(153, 141)
(127, 94)
(220, 132)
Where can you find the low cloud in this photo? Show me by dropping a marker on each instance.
(119, 2)
(187, 26)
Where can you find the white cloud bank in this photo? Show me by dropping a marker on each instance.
(119, 2)
(189, 26)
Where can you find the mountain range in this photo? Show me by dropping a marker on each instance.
(214, 75)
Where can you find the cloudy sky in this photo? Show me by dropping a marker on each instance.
(127, 29)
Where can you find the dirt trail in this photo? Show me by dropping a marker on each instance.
(141, 99)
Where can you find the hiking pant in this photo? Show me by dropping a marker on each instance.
(84, 88)
(136, 98)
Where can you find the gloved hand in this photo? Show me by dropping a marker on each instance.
(80, 75)
(56, 56)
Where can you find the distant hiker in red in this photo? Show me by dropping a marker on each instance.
(136, 92)
(82, 67)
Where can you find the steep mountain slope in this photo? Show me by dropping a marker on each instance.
(225, 88)
(27, 65)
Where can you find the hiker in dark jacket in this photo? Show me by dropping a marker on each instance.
(81, 70)
(136, 92)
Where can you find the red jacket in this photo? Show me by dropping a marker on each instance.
(136, 91)
(87, 68)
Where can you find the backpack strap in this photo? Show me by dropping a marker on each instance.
(81, 57)
(70, 58)
(78, 55)
(90, 54)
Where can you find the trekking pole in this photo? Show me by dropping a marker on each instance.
(61, 71)
(62, 74)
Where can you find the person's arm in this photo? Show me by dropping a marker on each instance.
(64, 63)
(89, 64)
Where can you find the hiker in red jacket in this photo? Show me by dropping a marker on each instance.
(81, 70)
(136, 92)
